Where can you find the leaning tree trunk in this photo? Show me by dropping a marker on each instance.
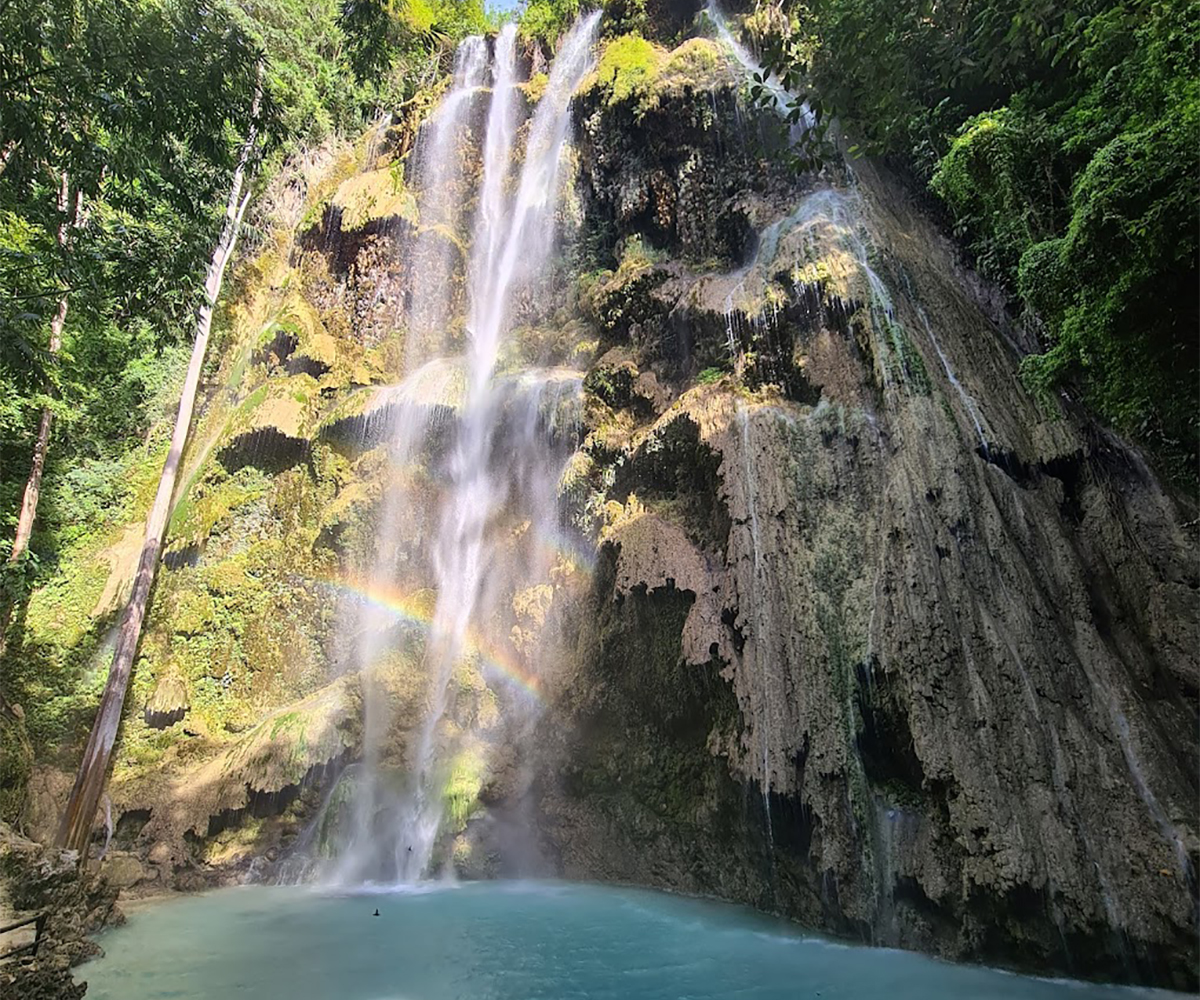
(33, 485)
(76, 828)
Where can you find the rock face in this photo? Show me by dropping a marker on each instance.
(77, 904)
(883, 642)
(842, 622)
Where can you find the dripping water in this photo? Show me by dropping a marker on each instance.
(967, 401)
(781, 99)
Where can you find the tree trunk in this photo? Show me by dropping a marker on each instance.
(76, 829)
(33, 486)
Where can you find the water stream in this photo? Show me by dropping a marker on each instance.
(781, 99)
(501, 457)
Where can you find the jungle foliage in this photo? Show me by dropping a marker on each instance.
(1063, 139)
(142, 106)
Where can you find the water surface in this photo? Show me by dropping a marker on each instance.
(513, 941)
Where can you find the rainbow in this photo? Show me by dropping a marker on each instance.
(418, 608)
(557, 545)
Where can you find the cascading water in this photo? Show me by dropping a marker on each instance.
(781, 99)
(440, 177)
(501, 465)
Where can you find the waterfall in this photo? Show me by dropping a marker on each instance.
(440, 180)
(501, 460)
(497, 153)
(967, 400)
(781, 97)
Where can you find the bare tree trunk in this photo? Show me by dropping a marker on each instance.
(33, 486)
(76, 828)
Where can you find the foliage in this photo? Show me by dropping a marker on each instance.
(461, 794)
(624, 17)
(627, 68)
(998, 177)
(546, 20)
(1063, 139)
(143, 106)
(138, 107)
(397, 45)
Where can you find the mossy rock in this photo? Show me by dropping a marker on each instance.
(697, 64)
(282, 749)
(362, 416)
(534, 88)
(298, 341)
(168, 703)
(612, 378)
(373, 196)
(638, 74)
(273, 427)
(468, 771)
(626, 71)
(16, 764)
(189, 786)
(287, 406)
(213, 501)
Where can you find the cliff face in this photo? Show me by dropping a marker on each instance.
(845, 624)
(882, 642)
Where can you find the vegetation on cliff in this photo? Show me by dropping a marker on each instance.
(796, 566)
(120, 126)
(1062, 139)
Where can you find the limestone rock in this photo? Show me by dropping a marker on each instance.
(122, 870)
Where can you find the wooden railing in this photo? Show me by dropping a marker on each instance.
(39, 925)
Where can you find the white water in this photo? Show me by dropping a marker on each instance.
(782, 99)
(966, 398)
(501, 457)
(440, 179)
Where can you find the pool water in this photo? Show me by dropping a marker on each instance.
(513, 941)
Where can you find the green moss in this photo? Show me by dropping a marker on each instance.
(697, 63)
(461, 792)
(374, 195)
(16, 762)
(626, 70)
(535, 87)
(904, 361)
(213, 502)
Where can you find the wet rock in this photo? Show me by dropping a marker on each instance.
(909, 682)
(77, 905)
(123, 870)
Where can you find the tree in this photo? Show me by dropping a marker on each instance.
(76, 828)
(144, 138)
(70, 215)
(120, 105)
